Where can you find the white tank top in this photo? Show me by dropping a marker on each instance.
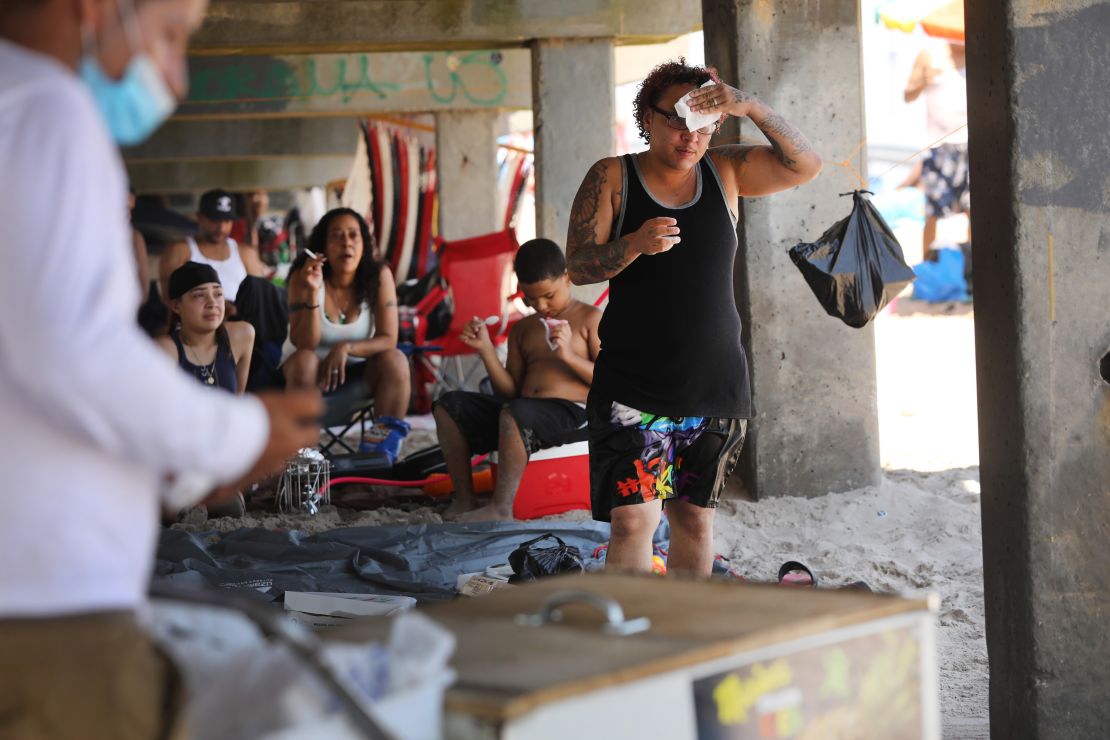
(332, 334)
(946, 106)
(232, 271)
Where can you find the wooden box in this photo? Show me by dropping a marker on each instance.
(718, 660)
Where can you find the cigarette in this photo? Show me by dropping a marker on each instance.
(312, 254)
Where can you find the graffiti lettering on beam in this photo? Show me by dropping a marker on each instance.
(321, 83)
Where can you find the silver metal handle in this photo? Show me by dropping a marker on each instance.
(551, 611)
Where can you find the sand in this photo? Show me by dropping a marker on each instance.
(917, 532)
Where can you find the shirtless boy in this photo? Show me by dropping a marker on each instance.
(541, 392)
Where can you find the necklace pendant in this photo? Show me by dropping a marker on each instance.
(342, 318)
(210, 380)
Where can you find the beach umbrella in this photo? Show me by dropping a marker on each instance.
(942, 19)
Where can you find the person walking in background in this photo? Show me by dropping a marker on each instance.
(940, 73)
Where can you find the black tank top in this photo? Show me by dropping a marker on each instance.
(670, 336)
(221, 371)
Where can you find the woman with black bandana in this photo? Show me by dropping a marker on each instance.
(216, 353)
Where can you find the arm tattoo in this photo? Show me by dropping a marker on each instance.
(733, 152)
(583, 213)
(787, 141)
(602, 262)
(589, 262)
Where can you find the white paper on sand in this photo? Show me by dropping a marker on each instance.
(695, 120)
(483, 582)
(316, 610)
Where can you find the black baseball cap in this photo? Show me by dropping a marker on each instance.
(218, 205)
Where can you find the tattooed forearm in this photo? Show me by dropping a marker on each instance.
(599, 262)
(788, 142)
(587, 261)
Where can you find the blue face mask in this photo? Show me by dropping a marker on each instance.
(134, 106)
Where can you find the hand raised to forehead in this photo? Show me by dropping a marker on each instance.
(720, 98)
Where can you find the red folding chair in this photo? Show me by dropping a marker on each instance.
(477, 277)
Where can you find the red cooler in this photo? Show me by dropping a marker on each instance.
(556, 480)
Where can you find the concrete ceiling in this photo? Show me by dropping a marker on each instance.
(276, 87)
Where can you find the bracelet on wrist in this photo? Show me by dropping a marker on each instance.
(302, 306)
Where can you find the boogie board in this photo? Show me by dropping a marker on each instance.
(413, 201)
(401, 204)
(377, 186)
(389, 187)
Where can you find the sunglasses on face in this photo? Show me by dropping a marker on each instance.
(678, 123)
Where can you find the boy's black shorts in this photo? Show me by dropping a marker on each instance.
(543, 422)
(636, 457)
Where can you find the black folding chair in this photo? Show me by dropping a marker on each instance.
(346, 407)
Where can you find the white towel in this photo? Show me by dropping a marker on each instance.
(695, 120)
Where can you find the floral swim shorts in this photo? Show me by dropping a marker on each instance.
(637, 457)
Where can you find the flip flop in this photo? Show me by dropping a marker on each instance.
(793, 573)
(730, 572)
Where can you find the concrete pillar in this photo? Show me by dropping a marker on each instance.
(1040, 155)
(813, 378)
(466, 166)
(574, 120)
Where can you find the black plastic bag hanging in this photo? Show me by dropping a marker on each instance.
(530, 561)
(856, 267)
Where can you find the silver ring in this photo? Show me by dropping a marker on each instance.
(335, 372)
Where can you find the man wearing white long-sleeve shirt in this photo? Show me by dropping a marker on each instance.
(94, 420)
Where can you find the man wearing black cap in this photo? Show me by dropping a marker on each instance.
(214, 246)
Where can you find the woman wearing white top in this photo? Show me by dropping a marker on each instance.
(343, 324)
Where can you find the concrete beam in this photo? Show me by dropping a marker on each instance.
(280, 27)
(1041, 218)
(466, 173)
(574, 123)
(813, 379)
(284, 173)
(248, 139)
(355, 84)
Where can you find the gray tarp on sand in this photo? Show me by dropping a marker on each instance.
(421, 561)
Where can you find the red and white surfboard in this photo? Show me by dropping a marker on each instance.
(408, 240)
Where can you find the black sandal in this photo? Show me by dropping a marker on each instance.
(793, 573)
